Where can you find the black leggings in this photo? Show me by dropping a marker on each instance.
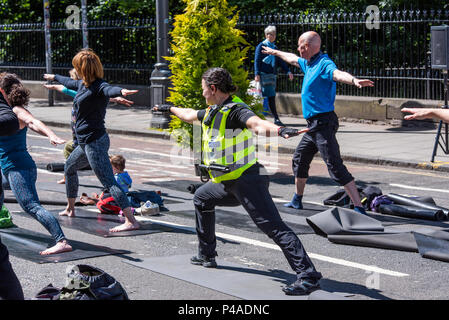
(10, 288)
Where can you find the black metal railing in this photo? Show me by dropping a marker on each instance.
(127, 49)
(396, 56)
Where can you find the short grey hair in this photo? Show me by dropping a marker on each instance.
(270, 29)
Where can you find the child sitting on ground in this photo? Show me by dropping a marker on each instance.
(121, 176)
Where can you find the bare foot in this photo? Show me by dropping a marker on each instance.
(62, 181)
(61, 246)
(127, 226)
(67, 212)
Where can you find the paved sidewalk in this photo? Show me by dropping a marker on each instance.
(366, 143)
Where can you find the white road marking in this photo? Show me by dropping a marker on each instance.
(36, 136)
(275, 247)
(49, 172)
(155, 153)
(418, 188)
(47, 148)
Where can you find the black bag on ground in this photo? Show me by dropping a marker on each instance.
(136, 197)
(339, 199)
(85, 282)
(342, 199)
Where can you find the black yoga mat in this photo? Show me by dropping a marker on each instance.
(45, 201)
(59, 166)
(434, 245)
(240, 221)
(340, 221)
(27, 244)
(407, 201)
(402, 241)
(55, 167)
(230, 278)
(412, 212)
(344, 226)
(309, 209)
(99, 224)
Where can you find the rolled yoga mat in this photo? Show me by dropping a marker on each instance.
(412, 212)
(58, 167)
(407, 201)
(55, 167)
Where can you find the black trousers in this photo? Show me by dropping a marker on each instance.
(250, 191)
(10, 288)
(321, 137)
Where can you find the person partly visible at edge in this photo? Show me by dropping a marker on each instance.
(426, 113)
(265, 70)
(318, 96)
(246, 183)
(71, 145)
(10, 287)
(89, 105)
(18, 168)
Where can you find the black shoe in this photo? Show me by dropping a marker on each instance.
(278, 123)
(301, 287)
(203, 261)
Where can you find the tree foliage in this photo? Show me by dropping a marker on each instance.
(205, 36)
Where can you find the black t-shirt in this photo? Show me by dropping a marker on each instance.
(237, 116)
(89, 106)
(9, 123)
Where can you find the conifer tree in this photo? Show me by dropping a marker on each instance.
(205, 36)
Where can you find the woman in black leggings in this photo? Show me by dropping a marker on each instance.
(89, 106)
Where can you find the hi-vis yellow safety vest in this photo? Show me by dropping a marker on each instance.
(234, 149)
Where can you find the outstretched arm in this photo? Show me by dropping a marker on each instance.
(290, 58)
(426, 113)
(185, 114)
(344, 77)
(27, 119)
(266, 128)
(65, 81)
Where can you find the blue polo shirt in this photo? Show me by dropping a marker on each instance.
(318, 89)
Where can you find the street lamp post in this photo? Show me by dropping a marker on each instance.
(160, 77)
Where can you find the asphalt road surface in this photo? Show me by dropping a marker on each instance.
(358, 273)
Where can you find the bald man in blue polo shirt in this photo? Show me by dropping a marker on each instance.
(318, 96)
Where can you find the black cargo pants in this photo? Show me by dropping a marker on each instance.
(250, 191)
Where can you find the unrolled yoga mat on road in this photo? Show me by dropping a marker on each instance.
(99, 224)
(344, 226)
(229, 278)
(433, 245)
(27, 244)
(309, 209)
(241, 221)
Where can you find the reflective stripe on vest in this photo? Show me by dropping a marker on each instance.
(232, 148)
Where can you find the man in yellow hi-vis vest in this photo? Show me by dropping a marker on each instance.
(229, 156)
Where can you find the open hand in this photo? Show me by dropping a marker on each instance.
(57, 87)
(126, 92)
(55, 140)
(360, 83)
(49, 76)
(122, 100)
